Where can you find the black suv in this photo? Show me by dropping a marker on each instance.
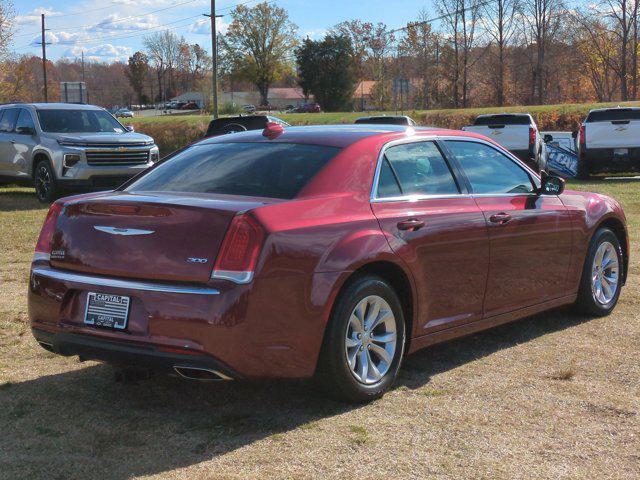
(226, 125)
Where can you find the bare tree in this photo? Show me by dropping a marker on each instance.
(6, 26)
(499, 19)
(460, 20)
(542, 20)
(163, 48)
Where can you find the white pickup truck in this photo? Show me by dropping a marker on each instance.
(517, 132)
(609, 142)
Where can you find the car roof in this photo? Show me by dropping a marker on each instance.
(609, 109)
(329, 135)
(54, 106)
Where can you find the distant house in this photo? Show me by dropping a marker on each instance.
(188, 97)
(284, 97)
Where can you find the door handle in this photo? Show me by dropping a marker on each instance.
(500, 218)
(412, 224)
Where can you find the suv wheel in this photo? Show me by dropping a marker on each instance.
(45, 182)
(583, 169)
(601, 275)
(364, 342)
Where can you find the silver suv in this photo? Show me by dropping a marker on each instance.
(61, 147)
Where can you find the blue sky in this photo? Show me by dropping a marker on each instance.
(111, 30)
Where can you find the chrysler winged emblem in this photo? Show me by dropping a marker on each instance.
(123, 231)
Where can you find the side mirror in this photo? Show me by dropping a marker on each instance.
(129, 128)
(25, 131)
(548, 138)
(551, 185)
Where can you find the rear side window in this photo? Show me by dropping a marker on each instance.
(488, 170)
(420, 169)
(613, 115)
(272, 170)
(8, 121)
(503, 120)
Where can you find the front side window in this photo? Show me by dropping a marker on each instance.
(419, 168)
(8, 121)
(272, 170)
(25, 120)
(78, 121)
(488, 170)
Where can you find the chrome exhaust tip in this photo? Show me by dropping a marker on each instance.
(47, 346)
(202, 374)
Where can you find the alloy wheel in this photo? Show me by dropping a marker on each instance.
(43, 182)
(605, 273)
(371, 338)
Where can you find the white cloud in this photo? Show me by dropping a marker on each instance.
(203, 26)
(101, 53)
(114, 22)
(315, 34)
(35, 15)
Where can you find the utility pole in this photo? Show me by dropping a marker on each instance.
(44, 62)
(214, 56)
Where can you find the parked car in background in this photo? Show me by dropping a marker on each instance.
(190, 106)
(61, 147)
(124, 113)
(249, 108)
(227, 125)
(517, 132)
(609, 142)
(329, 250)
(386, 120)
(307, 108)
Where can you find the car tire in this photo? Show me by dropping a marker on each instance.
(598, 293)
(350, 344)
(583, 169)
(45, 182)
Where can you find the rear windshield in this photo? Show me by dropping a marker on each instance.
(613, 115)
(503, 120)
(78, 121)
(245, 123)
(272, 170)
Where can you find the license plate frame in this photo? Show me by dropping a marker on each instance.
(620, 152)
(105, 310)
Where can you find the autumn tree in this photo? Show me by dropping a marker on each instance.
(326, 70)
(6, 26)
(260, 41)
(137, 72)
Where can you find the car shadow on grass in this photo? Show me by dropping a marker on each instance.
(82, 424)
(19, 199)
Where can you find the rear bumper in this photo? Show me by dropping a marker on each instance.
(603, 160)
(119, 352)
(265, 329)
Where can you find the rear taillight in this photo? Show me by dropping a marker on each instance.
(532, 137)
(240, 250)
(43, 247)
(583, 135)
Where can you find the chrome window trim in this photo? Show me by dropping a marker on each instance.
(95, 281)
(433, 138)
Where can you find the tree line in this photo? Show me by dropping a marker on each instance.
(463, 53)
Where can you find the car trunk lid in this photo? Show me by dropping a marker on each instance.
(170, 237)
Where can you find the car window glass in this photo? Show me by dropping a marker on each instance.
(8, 120)
(275, 170)
(387, 183)
(421, 169)
(25, 120)
(488, 170)
(78, 121)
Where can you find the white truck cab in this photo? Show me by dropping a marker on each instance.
(609, 142)
(517, 132)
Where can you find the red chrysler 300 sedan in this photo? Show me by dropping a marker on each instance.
(318, 251)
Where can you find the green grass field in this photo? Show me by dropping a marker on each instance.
(552, 396)
(349, 117)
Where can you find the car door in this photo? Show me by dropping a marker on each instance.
(7, 123)
(530, 234)
(438, 230)
(24, 140)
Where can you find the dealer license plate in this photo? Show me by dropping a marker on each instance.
(107, 311)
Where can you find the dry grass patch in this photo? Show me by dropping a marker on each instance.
(553, 396)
